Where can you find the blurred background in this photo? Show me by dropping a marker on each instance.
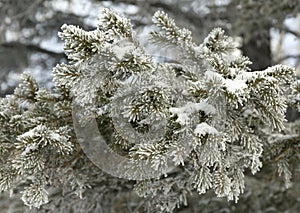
(268, 32)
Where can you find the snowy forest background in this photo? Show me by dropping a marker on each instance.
(268, 32)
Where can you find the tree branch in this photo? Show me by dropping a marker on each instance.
(279, 60)
(33, 47)
(288, 30)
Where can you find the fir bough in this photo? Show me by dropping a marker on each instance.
(203, 115)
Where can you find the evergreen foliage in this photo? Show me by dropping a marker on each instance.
(208, 114)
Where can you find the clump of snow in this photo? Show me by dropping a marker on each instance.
(123, 47)
(184, 112)
(29, 148)
(203, 129)
(235, 86)
(250, 113)
(28, 134)
(267, 74)
(211, 75)
(55, 136)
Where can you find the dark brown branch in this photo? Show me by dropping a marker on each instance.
(33, 47)
(288, 30)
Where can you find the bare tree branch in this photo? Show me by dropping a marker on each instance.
(33, 47)
(288, 30)
(280, 60)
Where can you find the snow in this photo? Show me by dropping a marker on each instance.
(123, 47)
(28, 134)
(203, 129)
(55, 136)
(184, 112)
(235, 86)
(211, 75)
(250, 112)
(31, 133)
(29, 148)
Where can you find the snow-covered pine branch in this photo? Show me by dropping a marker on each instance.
(205, 115)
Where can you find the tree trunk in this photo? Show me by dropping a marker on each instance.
(258, 49)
